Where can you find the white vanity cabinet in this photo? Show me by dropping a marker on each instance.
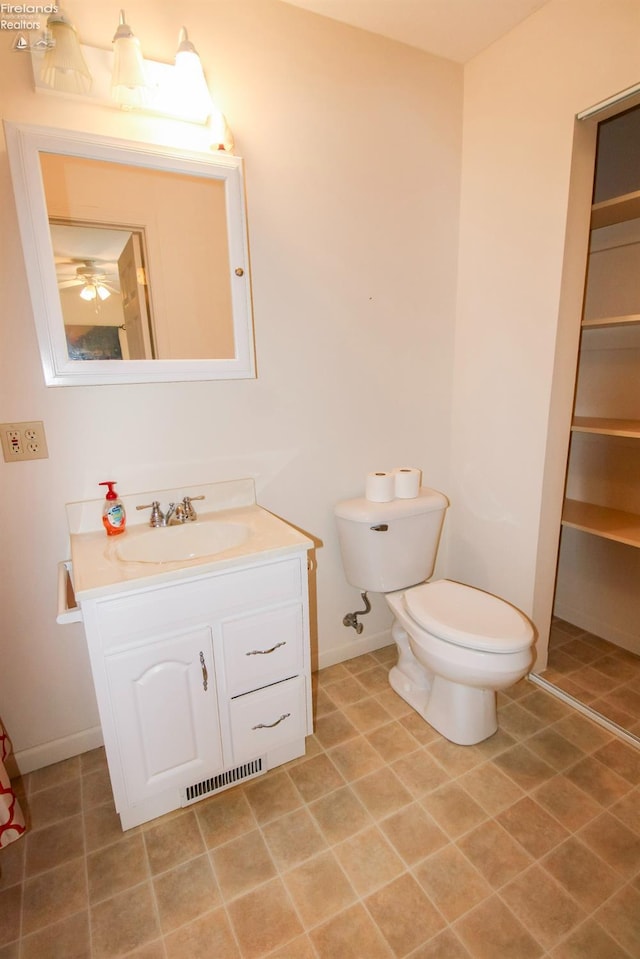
(202, 681)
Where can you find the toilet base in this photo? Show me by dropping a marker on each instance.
(465, 715)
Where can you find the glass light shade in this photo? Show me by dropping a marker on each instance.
(93, 290)
(128, 81)
(191, 88)
(63, 66)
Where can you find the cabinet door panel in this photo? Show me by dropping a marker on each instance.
(166, 720)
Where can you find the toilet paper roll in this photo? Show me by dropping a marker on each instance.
(380, 487)
(406, 482)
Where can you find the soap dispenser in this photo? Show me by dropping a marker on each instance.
(114, 518)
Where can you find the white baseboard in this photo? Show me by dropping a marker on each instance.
(57, 750)
(357, 647)
(578, 617)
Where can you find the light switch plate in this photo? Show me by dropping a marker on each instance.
(23, 441)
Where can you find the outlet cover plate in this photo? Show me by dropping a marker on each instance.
(23, 441)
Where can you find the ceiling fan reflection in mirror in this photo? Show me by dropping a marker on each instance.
(96, 280)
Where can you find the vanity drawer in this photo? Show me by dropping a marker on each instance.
(141, 615)
(262, 648)
(268, 718)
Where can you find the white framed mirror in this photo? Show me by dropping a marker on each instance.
(136, 256)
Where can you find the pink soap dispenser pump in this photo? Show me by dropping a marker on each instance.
(114, 518)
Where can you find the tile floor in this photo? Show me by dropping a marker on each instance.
(383, 841)
(597, 673)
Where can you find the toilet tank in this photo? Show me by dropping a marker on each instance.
(389, 546)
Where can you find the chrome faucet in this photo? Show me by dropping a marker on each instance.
(175, 515)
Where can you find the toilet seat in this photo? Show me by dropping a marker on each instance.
(468, 617)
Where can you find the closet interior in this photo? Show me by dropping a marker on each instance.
(594, 648)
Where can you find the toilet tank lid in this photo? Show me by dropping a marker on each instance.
(366, 511)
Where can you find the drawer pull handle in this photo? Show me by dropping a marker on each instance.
(205, 675)
(271, 725)
(263, 652)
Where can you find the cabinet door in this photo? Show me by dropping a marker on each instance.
(165, 708)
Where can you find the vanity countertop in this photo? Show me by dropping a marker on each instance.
(98, 571)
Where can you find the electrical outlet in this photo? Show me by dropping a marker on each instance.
(23, 441)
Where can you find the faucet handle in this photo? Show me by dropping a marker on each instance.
(157, 516)
(190, 513)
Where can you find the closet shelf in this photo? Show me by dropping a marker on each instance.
(612, 524)
(600, 322)
(606, 427)
(617, 210)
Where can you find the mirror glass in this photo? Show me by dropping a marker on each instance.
(136, 256)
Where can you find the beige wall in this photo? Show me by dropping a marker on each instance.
(352, 150)
(509, 426)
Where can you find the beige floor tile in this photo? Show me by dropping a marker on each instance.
(567, 803)
(124, 923)
(620, 918)
(50, 847)
(241, 864)
(598, 781)
(493, 852)
(419, 772)
(451, 882)
(589, 880)
(392, 741)
(185, 893)
(491, 931)
(367, 714)
(272, 795)
(413, 833)
(319, 889)
(542, 906)
(114, 868)
(54, 895)
(350, 935)
(613, 842)
(355, 758)
(491, 788)
(454, 809)
(404, 914)
(293, 838)
(525, 768)
(68, 939)
(340, 814)
(173, 841)
(264, 920)
(315, 777)
(382, 793)
(532, 826)
(589, 941)
(224, 817)
(546, 812)
(208, 936)
(368, 860)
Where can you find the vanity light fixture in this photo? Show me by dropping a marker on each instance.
(128, 80)
(64, 67)
(190, 86)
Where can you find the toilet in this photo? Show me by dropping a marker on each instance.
(457, 645)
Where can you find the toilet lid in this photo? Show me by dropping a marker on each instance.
(469, 617)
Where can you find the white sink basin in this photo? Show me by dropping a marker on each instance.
(173, 544)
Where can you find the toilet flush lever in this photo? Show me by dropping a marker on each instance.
(380, 528)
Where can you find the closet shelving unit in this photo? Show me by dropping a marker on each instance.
(608, 522)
